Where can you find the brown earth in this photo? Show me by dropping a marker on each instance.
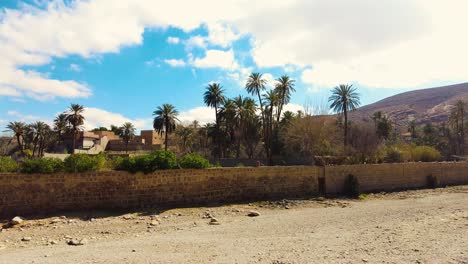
(425, 105)
(425, 226)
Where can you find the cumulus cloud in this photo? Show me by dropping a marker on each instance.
(96, 117)
(217, 59)
(202, 114)
(175, 62)
(395, 43)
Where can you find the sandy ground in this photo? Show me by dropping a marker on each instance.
(426, 226)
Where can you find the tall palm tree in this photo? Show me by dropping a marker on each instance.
(255, 86)
(284, 88)
(165, 120)
(18, 129)
(344, 99)
(457, 118)
(214, 97)
(244, 111)
(61, 125)
(271, 99)
(40, 130)
(76, 119)
(127, 133)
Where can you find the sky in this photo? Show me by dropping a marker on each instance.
(121, 59)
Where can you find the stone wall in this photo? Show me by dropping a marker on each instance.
(34, 194)
(391, 177)
(22, 194)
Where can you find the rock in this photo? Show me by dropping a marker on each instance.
(214, 221)
(56, 220)
(133, 250)
(77, 242)
(253, 214)
(154, 223)
(26, 239)
(2, 246)
(16, 220)
(53, 242)
(63, 217)
(127, 217)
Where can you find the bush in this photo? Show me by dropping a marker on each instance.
(156, 160)
(393, 156)
(84, 163)
(193, 161)
(43, 165)
(8, 164)
(351, 186)
(425, 154)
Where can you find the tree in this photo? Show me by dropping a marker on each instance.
(244, 113)
(344, 99)
(40, 131)
(165, 120)
(271, 103)
(457, 118)
(76, 119)
(127, 133)
(18, 129)
(412, 129)
(61, 125)
(255, 86)
(214, 97)
(185, 135)
(284, 87)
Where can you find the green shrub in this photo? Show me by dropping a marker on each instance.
(156, 160)
(8, 164)
(393, 156)
(164, 160)
(194, 161)
(84, 163)
(351, 186)
(240, 165)
(425, 154)
(43, 165)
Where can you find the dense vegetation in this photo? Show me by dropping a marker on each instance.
(254, 128)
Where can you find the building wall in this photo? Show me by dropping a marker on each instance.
(22, 194)
(152, 137)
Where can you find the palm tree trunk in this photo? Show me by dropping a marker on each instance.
(345, 125)
(74, 140)
(462, 132)
(165, 135)
(20, 144)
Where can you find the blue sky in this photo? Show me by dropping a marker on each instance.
(121, 60)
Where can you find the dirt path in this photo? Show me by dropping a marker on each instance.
(428, 226)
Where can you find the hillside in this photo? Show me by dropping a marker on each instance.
(426, 105)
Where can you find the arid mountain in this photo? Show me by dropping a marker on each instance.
(426, 105)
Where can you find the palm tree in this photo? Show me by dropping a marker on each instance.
(272, 101)
(284, 88)
(255, 86)
(214, 97)
(344, 99)
(61, 125)
(412, 128)
(40, 130)
(18, 129)
(244, 111)
(127, 133)
(457, 118)
(165, 120)
(76, 119)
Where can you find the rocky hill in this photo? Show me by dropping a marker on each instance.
(426, 105)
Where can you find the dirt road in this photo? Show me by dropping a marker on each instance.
(427, 226)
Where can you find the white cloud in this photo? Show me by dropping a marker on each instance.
(217, 59)
(396, 43)
(74, 67)
(96, 117)
(195, 41)
(175, 62)
(8, 91)
(173, 40)
(270, 79)
(24, 117)
(202, 114)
